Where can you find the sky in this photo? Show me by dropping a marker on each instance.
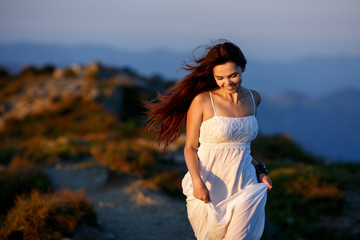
(276, 29)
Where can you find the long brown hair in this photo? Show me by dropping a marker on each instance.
(167, 113)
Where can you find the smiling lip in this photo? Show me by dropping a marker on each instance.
(230, 88)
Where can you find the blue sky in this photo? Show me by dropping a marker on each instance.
(281, 29)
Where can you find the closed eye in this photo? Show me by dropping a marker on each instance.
(234, 75)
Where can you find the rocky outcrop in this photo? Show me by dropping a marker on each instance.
(92, 82)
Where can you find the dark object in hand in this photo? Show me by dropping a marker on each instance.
(261, 168)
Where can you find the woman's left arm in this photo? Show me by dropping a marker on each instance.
(262, 176)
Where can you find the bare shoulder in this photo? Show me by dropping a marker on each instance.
(202, 104)
(201, 100)
(201, 97)
(257, 96)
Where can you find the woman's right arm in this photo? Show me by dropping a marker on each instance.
(193, 122)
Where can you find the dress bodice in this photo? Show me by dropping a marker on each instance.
(220, 129)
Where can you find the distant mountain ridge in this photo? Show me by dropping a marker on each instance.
(316, 76)
(16, 55)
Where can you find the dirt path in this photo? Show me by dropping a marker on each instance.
(126, 206)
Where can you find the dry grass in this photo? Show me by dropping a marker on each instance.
(126, 156)
(20, 179)
(302, 192)
(309, 182)
(47, 216)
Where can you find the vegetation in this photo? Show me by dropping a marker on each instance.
(47, 216)
(302, 192)
(48, 69)
(279, 147)
(20, 180)
(170, 182)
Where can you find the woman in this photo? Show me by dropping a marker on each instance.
(226, 188)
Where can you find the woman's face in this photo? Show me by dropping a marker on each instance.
(228, 76)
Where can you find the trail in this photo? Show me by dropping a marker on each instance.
(127, 207)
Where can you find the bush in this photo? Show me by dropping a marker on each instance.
(20, 180)
(132, 106)
(28, 70)
(47, 69)
(279, 147)
(48, 216)
(170, 182)
(126, 156)
(301, 193)
(40, 149)
(3, 72)
(69, 73)
(74, 117)
(8, 149)
(10, 87)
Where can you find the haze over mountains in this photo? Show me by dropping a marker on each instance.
(316, 100)
(312, 76)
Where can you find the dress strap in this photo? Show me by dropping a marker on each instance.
(212, 101)
(253, 101)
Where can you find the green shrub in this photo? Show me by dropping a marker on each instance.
(20, 180)
(301, 193)
(48, 216)
(279, 147)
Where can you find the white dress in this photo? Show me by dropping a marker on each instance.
(236, 210)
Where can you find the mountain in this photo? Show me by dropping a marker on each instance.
(315, 76)
(15, 55)
(327, 126)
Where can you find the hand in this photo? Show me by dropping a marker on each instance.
(265, 179)
(201, 192)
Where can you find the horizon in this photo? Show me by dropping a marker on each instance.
(185, 52)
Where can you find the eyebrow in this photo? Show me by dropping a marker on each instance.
(229, 75)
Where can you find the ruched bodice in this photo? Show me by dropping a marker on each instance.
(220, 129)
(236, 210)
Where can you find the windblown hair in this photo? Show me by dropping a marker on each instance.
(167, 113)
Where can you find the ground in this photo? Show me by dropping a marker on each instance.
(127, 207)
